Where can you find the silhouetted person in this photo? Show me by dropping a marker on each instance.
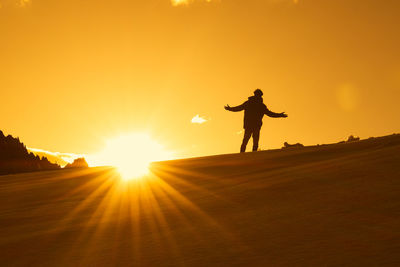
(254, 110)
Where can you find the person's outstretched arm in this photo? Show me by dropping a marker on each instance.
(235, 109)
(271, 114)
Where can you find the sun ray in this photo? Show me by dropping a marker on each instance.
(127, 212)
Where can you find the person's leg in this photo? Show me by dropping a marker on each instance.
(256, 138)
(246, 137)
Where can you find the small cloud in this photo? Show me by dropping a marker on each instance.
(24, 3)
(179, 2)
(187, 2)
(240, 132)
(285, 1)
(198, 119)
(15, 3)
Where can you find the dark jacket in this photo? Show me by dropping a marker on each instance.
(254, 110)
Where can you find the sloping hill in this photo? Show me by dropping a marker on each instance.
(330, 205)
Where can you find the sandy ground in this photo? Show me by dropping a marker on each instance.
(334, 205)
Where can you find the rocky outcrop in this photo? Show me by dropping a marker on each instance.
(78, 163)
(287, 145)
(15, 158)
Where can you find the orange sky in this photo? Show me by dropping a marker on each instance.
(74, 73)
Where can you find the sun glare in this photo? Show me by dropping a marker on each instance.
(131, 154)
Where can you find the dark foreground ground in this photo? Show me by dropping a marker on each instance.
(329, 205)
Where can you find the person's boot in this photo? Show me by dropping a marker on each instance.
(242, 149)
(255, 148)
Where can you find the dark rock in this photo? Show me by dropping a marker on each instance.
(353, 139)
(287, 145)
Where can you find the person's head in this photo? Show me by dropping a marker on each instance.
(258, 93)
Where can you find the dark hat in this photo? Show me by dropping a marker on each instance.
(258, 92)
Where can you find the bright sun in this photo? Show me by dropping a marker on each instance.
(131, 154)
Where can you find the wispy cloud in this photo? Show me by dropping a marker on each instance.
(286, 1)
(179, 2)
(55, 157)
(198, 119)
(187, 2)
(15, 3)
(24, 3)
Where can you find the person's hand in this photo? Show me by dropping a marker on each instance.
(227, 107)
(284, 115)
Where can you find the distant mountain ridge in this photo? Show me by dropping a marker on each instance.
(15, 158)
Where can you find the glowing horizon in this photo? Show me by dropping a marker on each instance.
(131, 154)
